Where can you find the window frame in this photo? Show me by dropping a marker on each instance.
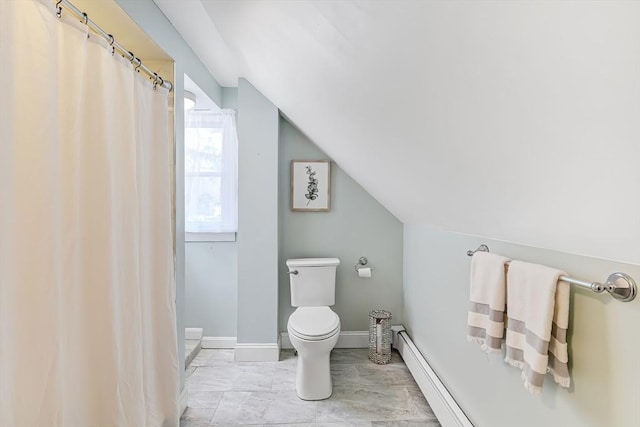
(211, 236)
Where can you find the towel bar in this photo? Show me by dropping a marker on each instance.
(621, 286)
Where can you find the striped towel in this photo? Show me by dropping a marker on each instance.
(485, 321)
(537, 321)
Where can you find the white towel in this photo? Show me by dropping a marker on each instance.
(537, 321)
(485, 321)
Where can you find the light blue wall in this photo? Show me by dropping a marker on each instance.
(211, 294)
(356, 226)
(603, 338)
(258, 122)
(230, 98)
(152, 21)
(211, 282)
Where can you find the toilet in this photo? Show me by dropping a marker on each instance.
(313, 328)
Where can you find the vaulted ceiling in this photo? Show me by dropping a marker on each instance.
(514, 120)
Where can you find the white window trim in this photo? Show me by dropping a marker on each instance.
(210, 237)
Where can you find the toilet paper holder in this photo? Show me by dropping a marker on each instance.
(361, 263)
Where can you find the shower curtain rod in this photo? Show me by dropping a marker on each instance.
(137, 62)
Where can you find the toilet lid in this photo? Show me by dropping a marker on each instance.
(314, 323)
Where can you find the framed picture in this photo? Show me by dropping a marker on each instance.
(310, 185)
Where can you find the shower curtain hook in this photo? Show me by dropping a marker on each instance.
(86, 22)
(112, 40)
(155, 80)
(139, 61)
(59, 12)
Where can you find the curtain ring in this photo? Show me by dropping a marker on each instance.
(86, 22)
(112, 40)
(59, 12)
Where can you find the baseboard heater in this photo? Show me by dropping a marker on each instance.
(444, 406)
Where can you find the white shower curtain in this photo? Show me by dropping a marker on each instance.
(87, 307)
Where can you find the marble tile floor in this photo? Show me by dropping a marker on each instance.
(225, 393)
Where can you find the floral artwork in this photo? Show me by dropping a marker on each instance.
(312, 188)
(310, 185)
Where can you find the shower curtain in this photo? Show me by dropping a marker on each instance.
(87, 306)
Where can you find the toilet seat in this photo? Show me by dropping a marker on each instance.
(314, 323)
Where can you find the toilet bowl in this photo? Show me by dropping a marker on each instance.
(313, 332)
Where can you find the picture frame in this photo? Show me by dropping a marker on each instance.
(310, 185)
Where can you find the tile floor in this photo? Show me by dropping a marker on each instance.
(225, 393)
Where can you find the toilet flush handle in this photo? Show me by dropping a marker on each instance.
(293, 272)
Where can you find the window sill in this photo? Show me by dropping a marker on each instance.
(209, 237)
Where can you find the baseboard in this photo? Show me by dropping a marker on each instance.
(218, 342)
(184, 399)
(192, 354)
(257, 352)
(443, 404)
(353, 339)
(347, 339)
(192, 333)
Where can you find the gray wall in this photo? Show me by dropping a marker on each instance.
(257, 217)
(356, 226)
(211, 278)
(148, 16)
(211, 295)
(604, 340)
(230, 98)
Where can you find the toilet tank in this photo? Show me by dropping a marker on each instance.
(315, 283)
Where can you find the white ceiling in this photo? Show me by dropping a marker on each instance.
(484, 117)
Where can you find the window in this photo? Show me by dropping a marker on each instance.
(211, 178)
